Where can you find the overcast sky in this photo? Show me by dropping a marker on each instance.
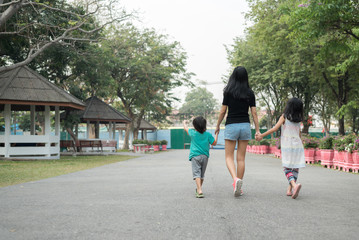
(202, 27)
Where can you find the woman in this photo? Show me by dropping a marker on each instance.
(237, 98)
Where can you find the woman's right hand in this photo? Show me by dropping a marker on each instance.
(217, 130)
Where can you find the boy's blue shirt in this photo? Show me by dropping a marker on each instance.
(199, 143)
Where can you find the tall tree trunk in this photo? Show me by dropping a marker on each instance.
(137, 124)
(341, 96)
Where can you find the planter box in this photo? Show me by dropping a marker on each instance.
(355, 167)
(156, 148)
(139, 148)
(263, 149)
(340, 159)
(317, 155)
(326, 157)
(348, 161)
(309, 154)
(164, 147)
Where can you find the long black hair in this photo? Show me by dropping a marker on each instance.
(200, 124)
(238, 86)
(294, 110)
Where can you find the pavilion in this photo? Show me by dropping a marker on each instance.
(144, 127)
(23, 89)
(98, 112)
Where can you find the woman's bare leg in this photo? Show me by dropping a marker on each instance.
(229, 155)
(241, 155)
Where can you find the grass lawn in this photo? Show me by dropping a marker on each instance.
(15, 172)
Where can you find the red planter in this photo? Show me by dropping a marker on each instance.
(156, 148)
(326, 156)
(309, 154)
(164, 147)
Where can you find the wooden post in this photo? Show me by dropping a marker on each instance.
(47, 129)
(110, 130)
(114, 130)
(32, 119)
(121, 135)
(88, 129)
(57, 120)
(97, 130)
(7, 113)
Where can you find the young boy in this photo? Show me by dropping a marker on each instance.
(199, 151)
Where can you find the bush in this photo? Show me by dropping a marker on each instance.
(326, 143)
(339, 144)
(310, 142)
(149, 142)
(164, 142)
(264, 142)
(156, 143)
(349, 142)
(136, 141)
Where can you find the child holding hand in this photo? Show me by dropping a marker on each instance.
(291, 143)
(199, 150)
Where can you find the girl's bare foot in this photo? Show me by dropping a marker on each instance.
(289, 190)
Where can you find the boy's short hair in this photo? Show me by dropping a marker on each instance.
(200, 124)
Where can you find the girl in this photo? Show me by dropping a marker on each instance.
(238, 98)
(291, 143)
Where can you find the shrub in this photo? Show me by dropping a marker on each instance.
(339, 144)
(149, 142)
(156, 143)
(349, 142)
(264, 142)
(164, 142)
(310, 142)
(136, 141)
(326, 143)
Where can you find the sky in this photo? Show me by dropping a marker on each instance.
(202, 27)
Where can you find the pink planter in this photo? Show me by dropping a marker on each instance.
(263, 149)
(355, 167)
(340, 158)
(327, 157)
(272, 150)
(249, 148)
(348, 161)
(164, 147)
(317, 155)
(156, 148)
(309, 155)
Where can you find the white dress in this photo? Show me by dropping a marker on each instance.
(292, 146)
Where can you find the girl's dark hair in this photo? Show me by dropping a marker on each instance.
(294, 110)
(238, 85)
(200, 124)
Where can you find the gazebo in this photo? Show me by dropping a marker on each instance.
(144, 127)
(98, 112)
(22, 89)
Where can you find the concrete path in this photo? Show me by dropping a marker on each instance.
(153, 197)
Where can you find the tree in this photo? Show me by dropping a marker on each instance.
(199, 102)
(334, 25)
(146, 67)
(29, 27)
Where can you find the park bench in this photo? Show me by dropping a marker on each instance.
(81, 143)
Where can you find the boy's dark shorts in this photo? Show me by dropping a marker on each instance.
(199, 165)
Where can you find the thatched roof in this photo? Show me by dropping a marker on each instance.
(143, 126)
(97, 110)
(23, 87)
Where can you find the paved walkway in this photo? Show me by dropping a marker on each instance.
(153, 197)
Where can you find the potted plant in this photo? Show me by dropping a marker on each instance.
(339, 149)
(326, 151)
(264, 146)
(356, 155)
(156, 145)
(310, 144)
(164, 145)
(349, 141)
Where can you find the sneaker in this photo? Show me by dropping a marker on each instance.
(237, 185)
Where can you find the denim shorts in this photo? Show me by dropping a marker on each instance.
(238, 131)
